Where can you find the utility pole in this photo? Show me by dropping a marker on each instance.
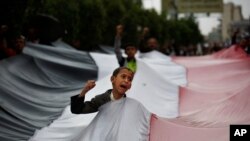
(173, 11)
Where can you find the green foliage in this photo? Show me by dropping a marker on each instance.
(68, 14)
(131, 21)
(115, 11)
(183, 31)
(154, 22)
(93, 22)
(12, 15)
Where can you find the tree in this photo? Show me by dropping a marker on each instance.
(93, 22)
(115, 10)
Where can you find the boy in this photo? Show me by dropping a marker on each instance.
(130, 61)
(121, 81)
(130, 51)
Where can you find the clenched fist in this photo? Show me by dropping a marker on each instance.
(90, 84)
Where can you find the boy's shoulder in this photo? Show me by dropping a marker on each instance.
(105, 94)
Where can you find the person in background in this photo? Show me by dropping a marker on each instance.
(244, 42)
(130, 51)
(19, 44)
(151, 44)
(235, 36)
(5, 50)
(143, 38)
(247, 46)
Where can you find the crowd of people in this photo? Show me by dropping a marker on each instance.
(13, 45)
(147, 43)
(10, 45)
(40, 29)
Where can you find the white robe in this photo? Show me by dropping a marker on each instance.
(121, 120)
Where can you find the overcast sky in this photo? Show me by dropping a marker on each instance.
(206, 24)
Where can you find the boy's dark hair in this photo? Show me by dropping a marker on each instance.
(117, 70)
(129, 45)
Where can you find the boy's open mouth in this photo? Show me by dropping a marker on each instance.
(123, 86)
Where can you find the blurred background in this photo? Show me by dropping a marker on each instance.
(182, 27)
(217, 19)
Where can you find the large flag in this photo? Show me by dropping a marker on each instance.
(197, 96)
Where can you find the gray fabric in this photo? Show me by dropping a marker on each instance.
(37, 85)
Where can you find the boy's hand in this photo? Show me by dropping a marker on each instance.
(119, 31)
(90, 84)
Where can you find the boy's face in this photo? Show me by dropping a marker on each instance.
(130, 51)
(122, 82)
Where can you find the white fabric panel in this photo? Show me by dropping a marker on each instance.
(154, 91)
(164, 66)
(65, 128)
(106, 63)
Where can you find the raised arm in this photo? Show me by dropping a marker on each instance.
(78, 105)
(117, 43)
